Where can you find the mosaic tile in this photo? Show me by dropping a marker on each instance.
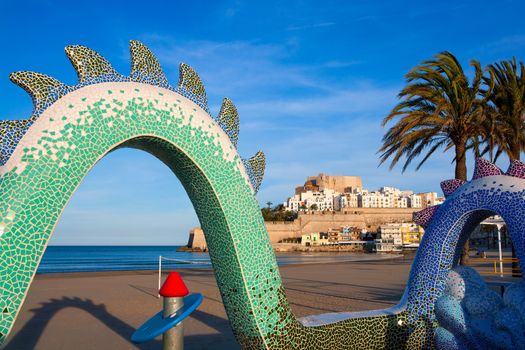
(450, 186)
(229, 120)
(423, 217)
(517, 169)
(485, 168)
(144, 66)
(45, 158)
(255, 169)
(471, 316)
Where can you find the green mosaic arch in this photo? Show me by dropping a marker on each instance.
(45, 158)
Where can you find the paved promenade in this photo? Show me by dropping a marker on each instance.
(101, 310)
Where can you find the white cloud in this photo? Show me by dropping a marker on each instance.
(506, 43)
(311, 26)
(361, 98)
(242, 69)
(304, 119)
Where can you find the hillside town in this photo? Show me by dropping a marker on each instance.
(336, 193)
(327, 193)
(335, 213)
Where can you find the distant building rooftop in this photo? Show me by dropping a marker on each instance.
(338, 183)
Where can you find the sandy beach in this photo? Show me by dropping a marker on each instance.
(101, 310)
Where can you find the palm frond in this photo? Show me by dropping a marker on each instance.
(439, 108)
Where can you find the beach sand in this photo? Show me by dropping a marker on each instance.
(102, 310)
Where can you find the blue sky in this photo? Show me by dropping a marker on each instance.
(312, 81)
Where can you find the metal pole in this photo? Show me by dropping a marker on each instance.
(500, 254)
(160, 272)
(174, 338)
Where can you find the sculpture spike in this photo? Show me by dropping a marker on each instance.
(90, 65)
(516, 169)
(450, 186)
(11, 131)
(255, 168)
(145, 67)
(191, 86)
(485, 168)
(228, 120)
(43, 89)
(423, 217)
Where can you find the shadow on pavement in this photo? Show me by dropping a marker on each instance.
(29, 335)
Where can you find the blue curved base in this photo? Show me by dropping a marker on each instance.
(157, 325)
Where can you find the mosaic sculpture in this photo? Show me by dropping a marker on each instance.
(471, 316)
(45, 158)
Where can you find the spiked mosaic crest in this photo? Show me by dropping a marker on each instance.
(255, 168)
(516, 169)
(450, 186)
(483, 168)
(423, 217)
(92, 68)
(144, 66)
(228, 119)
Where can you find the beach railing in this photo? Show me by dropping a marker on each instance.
(495, 266)
(180, 261)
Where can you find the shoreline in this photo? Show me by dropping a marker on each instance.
(77, 274)
(293, 248)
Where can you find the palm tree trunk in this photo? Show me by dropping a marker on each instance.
(461, 161)
(461, 173)
(515, 151)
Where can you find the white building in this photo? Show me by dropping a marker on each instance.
(399, 235)
(391, 233)
(414, 201)
(386, 197)
(312, 239)
(401, 202)
(376, 199)
(346, 200)
(390, 190)
(429, 199)
(321, 200)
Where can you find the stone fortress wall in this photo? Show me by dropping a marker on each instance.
(363, 218)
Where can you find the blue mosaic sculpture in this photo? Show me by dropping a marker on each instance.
(471, 316)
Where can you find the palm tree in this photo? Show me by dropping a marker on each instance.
(507, 102)
(439, 109)
(490, 135)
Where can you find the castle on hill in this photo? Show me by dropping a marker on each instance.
(335, 193)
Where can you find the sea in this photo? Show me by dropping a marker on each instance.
(60, 259)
